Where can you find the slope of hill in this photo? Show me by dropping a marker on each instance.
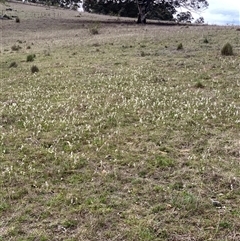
(126, 132)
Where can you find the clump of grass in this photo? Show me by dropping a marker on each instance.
(94, 29)
(31, 57)
(34, 69)
(69, 223)
(96, 45)
(17, 20)
(224, 225)
(142, 54)
(15, 47)
(199, 85)
(180, 46)
(162, 162)
(205, 40)
(13, 65)
(46, 52)
(227, 49)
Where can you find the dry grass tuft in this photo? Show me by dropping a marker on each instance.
(180, 46)
(17, 19)
(34, 69)
(13, 65)
(227, 49)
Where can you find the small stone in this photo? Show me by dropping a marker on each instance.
(216, 203)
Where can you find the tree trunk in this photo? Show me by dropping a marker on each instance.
(141, 11)
(141, 18)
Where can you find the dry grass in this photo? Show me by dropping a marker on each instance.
(107, 143)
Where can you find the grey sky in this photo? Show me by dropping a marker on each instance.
(222, 12)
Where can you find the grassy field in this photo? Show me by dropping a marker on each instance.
(120, 135)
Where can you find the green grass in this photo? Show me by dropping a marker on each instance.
(31, 57)
(112, 144)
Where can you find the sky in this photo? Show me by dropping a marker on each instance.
(221, 12)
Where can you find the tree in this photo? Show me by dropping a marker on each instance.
(155, 9)
(185, 17)
(200, 20)
(113, 7)
(190, 5)
(161, 11)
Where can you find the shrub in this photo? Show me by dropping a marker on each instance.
(227, 49)
(34, 69)
(17, 20)
(30, 57)
(13, 65)
(180, 46)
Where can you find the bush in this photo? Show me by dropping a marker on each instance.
(13, 65)
(227, 49)
(30, 57)
(34, 69)
(17, 20)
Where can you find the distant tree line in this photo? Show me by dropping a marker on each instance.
(151, 9)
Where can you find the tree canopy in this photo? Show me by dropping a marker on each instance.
(171, 10)
(153, 9)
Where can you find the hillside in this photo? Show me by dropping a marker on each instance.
(120, 131)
